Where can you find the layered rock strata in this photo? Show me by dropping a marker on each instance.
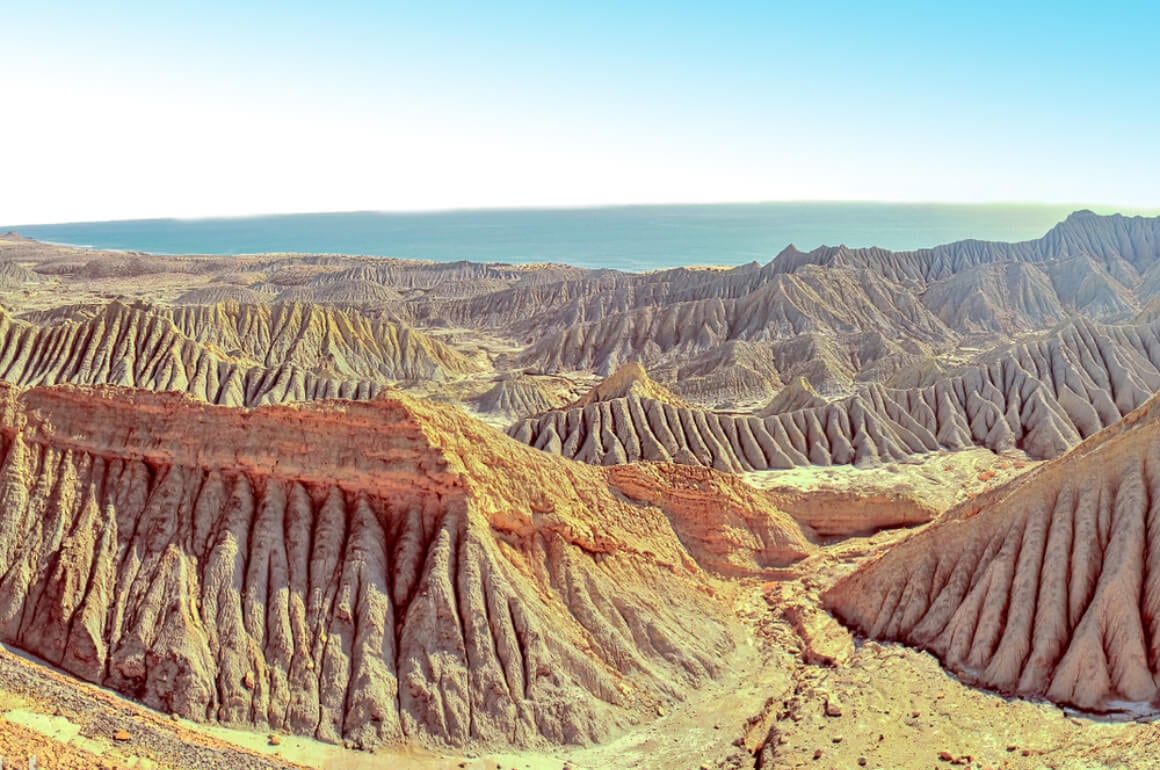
(363, 572)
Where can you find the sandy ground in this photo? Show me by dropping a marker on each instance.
(940, 479)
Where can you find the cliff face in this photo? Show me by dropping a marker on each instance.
(722, 522)
(1047, 587)
(355, 571)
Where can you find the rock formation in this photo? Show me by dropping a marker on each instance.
(842, 513)
(798, 394)
(267, 534)
(320, 338)
(235, 355)
(629, 379)
(1046, 587)
(1041, 396)
(718, 518)
(14, 276)
(516, 396)
(358, 571)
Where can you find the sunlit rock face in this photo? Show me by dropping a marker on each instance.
(1046, 587)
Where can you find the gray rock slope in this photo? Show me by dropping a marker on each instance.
(1041, 396)
(1101, 268)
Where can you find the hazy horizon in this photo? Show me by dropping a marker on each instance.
(130, 110)
(1072, 206)
(639, 237)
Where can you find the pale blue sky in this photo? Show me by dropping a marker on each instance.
(122, 109)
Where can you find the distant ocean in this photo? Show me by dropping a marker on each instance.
(626, 237)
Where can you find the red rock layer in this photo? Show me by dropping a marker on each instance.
(356, 571)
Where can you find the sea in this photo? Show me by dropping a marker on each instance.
(635, 238)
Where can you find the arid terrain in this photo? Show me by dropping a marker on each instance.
(849, 508)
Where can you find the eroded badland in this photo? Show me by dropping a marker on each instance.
(850, 508)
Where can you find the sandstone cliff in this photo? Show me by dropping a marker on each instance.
(356, 571)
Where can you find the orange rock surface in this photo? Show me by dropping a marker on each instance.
(355, 571)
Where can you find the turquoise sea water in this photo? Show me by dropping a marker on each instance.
(627, 238)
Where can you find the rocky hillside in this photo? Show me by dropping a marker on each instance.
(230, 354)
(1041, 396)
(362, 572)
(344, 343)
(836, 316)
(1103, 268)
(1047, 587)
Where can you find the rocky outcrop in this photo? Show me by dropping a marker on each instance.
(842, 513)
(1046, 587)
(875, 426)
(1121, 245)
(735, 372)
(798, 394)
(363, 572)
(1041, 396)
(341, 343)
(828, 302)
(723, 524)
(219, 293)
(1088, 264)
(836, 316)
(352, 292)
(521, 395)
(629, 379)
(235, 355)
(14, 276)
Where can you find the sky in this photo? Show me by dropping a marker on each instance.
(118, 110)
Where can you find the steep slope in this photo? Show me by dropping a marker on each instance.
(224, 292)
(629, 379)
(735, 371)
(352, 292)
(340, 343)
(719, 520)
(521, 395)
(874, 426)
(230, 354)
(1041, 396)
(134, 346)
(1123, 246)
(1087, 264)
(357, 571)
(1049, 586)
(798, 394)
(14, 276)
(831, 302)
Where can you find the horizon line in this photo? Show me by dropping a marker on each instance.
(1073, 205)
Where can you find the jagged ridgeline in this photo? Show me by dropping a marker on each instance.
(1046, 587)
(1041, 396)
(228, 353)
(1105, 268)
(363, 572)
